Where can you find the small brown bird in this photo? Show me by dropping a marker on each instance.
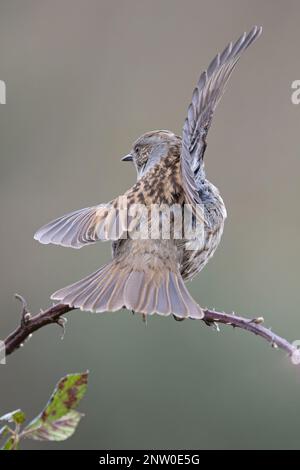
(147, 274)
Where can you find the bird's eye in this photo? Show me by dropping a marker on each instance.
(137, 148)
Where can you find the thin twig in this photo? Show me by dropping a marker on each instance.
(31, 323)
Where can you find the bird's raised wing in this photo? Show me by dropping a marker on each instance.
(206, 96)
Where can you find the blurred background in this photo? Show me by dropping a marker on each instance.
(84, 79)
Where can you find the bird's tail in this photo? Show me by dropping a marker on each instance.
(111, 288)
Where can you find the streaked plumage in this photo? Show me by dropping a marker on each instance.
(148, 276)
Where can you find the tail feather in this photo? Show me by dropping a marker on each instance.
(111, 288)
(133, 288)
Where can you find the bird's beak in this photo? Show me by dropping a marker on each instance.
(127, 158)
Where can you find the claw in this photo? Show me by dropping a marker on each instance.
(212, 324)
(178, 318)
(257, 320)
(61, 321)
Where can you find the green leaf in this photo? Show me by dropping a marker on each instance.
(57, 430)
(58, 420)
(9, 444)
(16, 416)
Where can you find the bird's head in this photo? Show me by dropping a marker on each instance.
(148, 149)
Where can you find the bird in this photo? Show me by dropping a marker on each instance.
(148, 274)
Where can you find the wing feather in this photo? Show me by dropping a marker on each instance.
(206, 95)
(110, 221)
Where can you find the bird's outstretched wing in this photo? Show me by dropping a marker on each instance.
(75, 229)
(110, 221)
(206, 96)
(125, 216)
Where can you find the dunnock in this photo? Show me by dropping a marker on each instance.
(147, 275)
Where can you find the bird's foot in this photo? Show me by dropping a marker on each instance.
(178, 318)
(212, 324)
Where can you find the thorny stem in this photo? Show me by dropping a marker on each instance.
(31, 323)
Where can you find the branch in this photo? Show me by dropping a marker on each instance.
(31, 323)
(54, 315)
